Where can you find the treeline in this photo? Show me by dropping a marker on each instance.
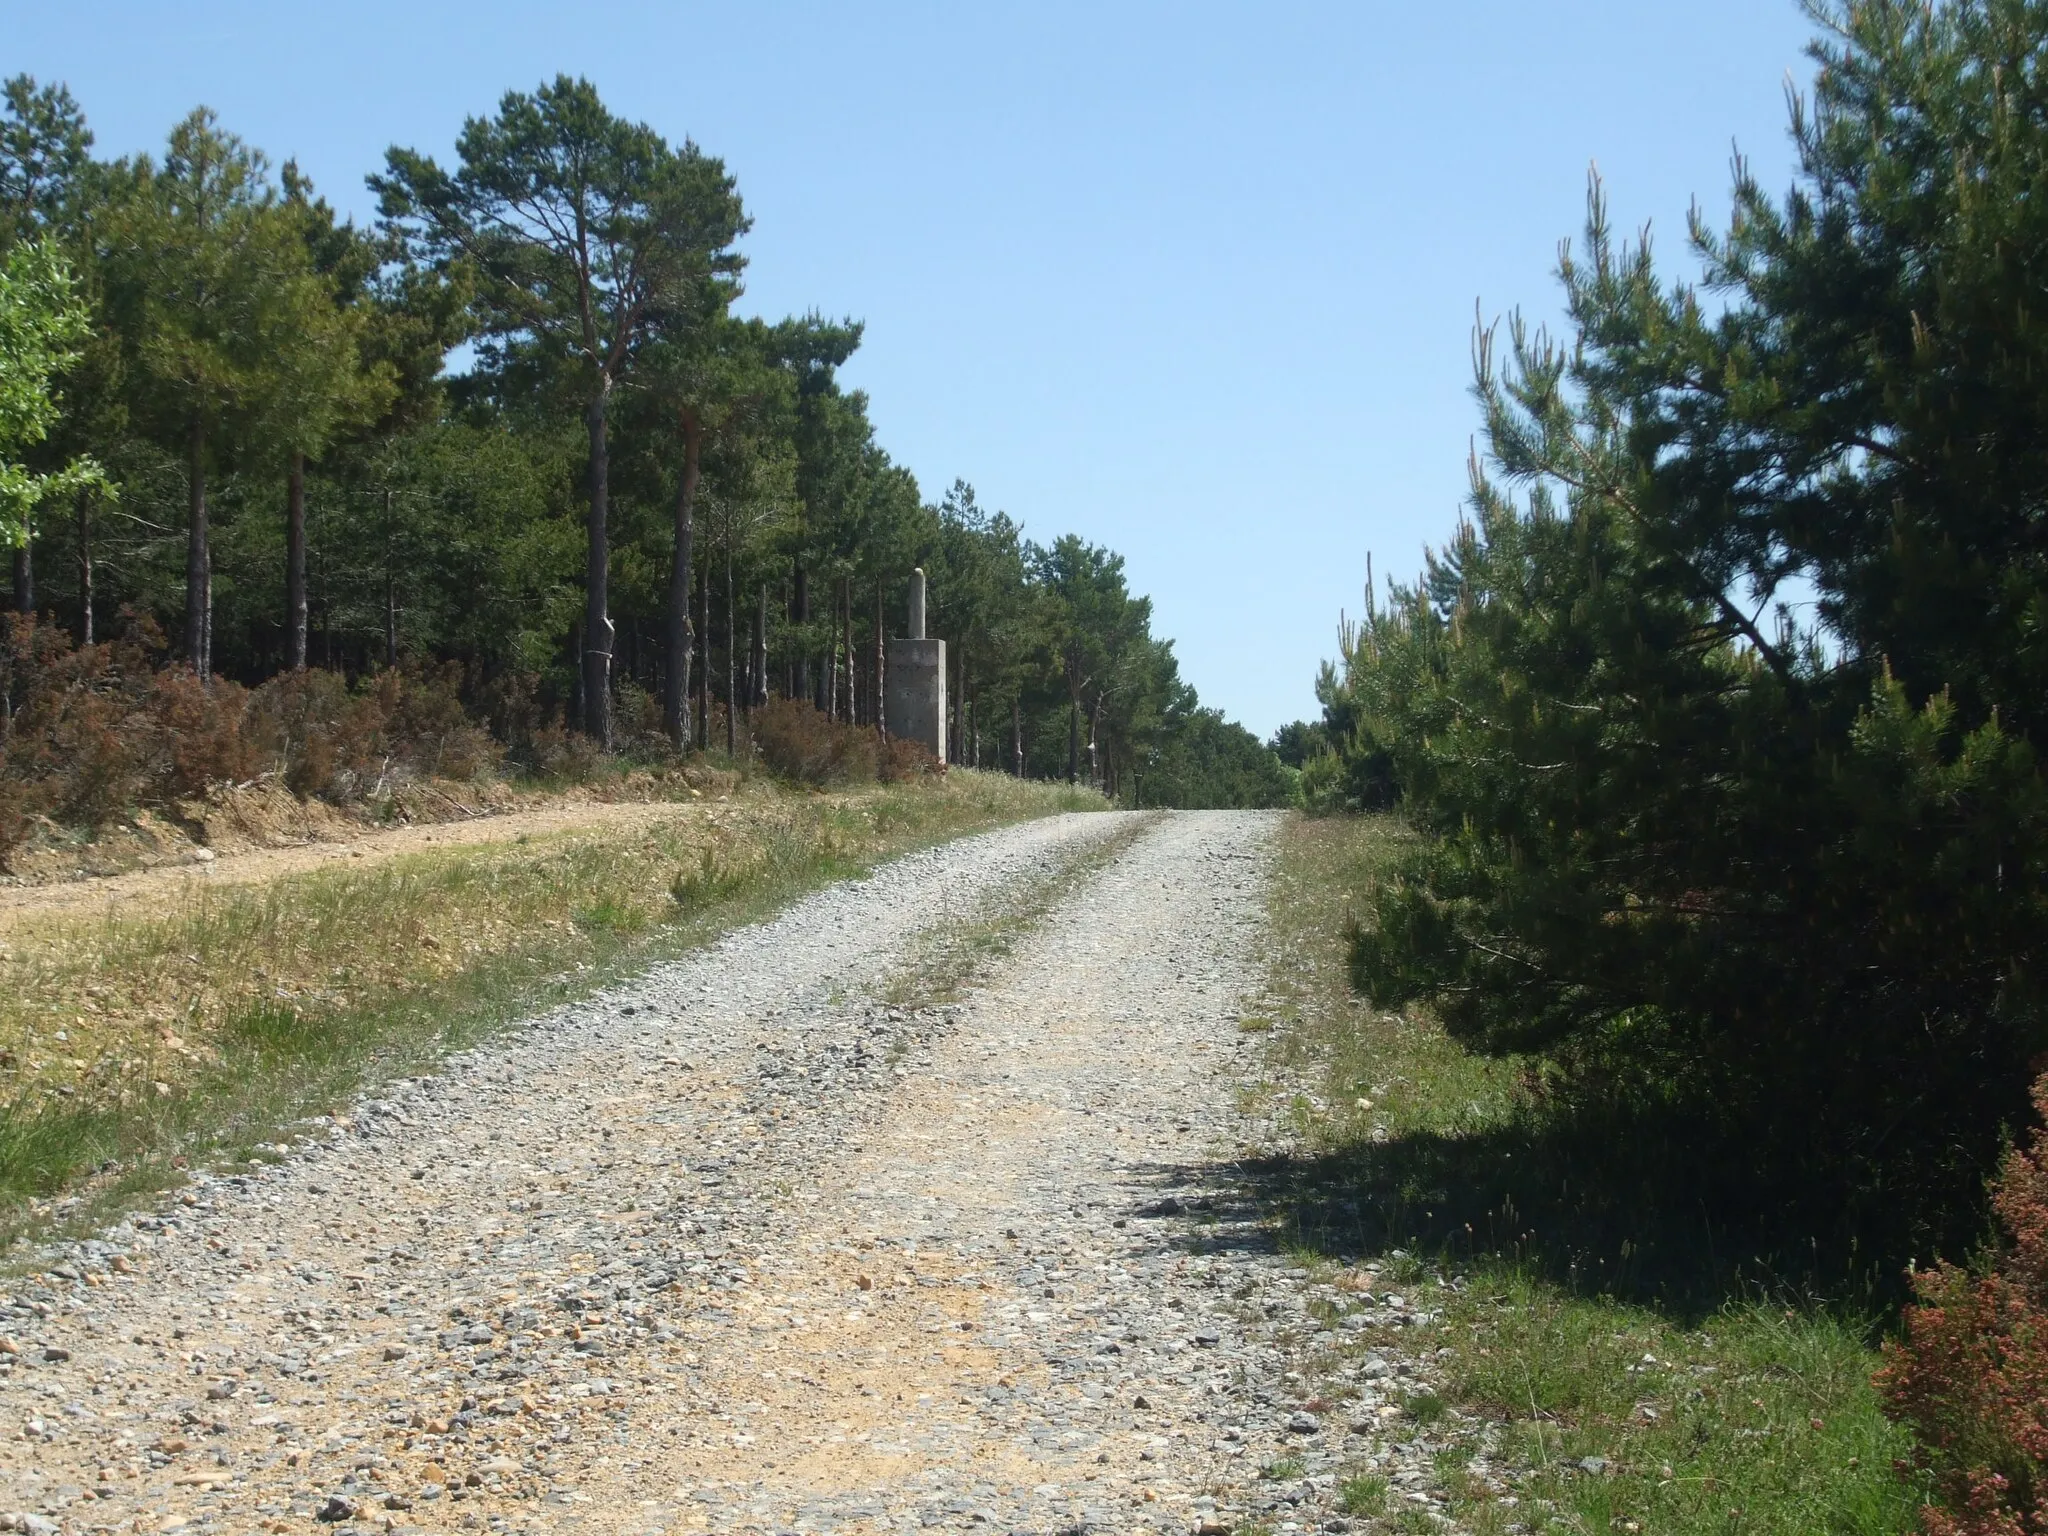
(639, 514)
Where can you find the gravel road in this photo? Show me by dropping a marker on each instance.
(737, 1247)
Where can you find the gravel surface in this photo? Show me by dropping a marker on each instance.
(736, 1247)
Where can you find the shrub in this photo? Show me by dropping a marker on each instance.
(1971, 1376)
(87, 733)
(901, 760)
(799, 743)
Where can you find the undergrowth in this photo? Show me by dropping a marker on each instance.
(1609, 1382)
(136, 1044)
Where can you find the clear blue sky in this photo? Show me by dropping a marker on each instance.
(1196, 281)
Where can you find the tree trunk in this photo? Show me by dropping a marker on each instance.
(24, 577)
(198, 563)
(575, 673)
(732, 699)
(760, 690)
(85, 567)
(1094, 744)
(1017, 735)
(704, 660)
(881, 671)
(675, 693)
(846, 647)
(295, 562)
(800, 612)
(597, 623)
(832, 660)
(1073, 739)
(390, 591)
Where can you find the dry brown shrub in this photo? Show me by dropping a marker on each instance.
(87, 734)
(902, 760)
(799, 743)
(1971, 1373)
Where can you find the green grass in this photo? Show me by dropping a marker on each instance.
(1365, 1495)
(133, 1047)
(1627, 1377)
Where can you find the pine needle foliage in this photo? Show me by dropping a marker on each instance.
(1757, 885)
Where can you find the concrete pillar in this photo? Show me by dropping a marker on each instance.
(917, 680)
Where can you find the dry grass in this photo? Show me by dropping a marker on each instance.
(132, 1044)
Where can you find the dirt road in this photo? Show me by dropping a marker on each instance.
(172, 885)
(738, 1247)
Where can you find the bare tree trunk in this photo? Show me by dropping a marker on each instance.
(1073, 739)
(1017, 735)
(830, 682)
(732, 699)
(597, 622)
(760, 693)
(846, 631)
(881, 670)
(85, 567)
(24, 577)
(390, 590)
(575, 674)
(1094, 738)
(198, 562)
(295, 562)
(704, 661)
(800, 613)
(675, 692)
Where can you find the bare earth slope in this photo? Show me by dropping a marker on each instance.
(737, 1248)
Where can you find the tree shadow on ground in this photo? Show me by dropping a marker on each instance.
(1640, 1212)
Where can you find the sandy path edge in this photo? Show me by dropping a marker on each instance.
(257, 865)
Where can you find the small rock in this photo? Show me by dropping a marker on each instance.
(394, 1351)
(335, 1510)
(1594, 1465)
(56, 1355)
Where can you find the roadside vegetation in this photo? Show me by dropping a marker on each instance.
(1605, 1367)
(136, 1042)
(1715, 729)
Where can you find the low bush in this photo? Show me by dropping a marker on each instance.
(88, 733)
(1971, 1375)
(901, 761)
(799, 743)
